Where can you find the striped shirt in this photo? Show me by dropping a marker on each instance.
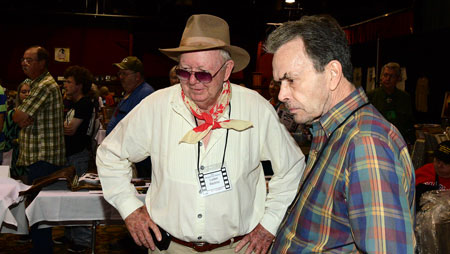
(359, 195)
(44, 139)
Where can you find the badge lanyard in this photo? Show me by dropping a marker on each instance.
(223, 170)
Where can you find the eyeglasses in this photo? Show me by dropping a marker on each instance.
(27, 60)
(122, 73)
(202, 76)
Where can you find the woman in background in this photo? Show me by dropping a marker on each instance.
(107, 97)
(11, 131)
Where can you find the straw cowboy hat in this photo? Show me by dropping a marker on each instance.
(204, 32)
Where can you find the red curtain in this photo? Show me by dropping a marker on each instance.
(387, 27)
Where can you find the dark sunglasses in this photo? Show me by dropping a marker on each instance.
(202, 76)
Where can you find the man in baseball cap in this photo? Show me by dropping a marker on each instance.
(131, 75)
(131, 63)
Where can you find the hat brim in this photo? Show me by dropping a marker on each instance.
(118, 65)
(122, 67)
(239, 55)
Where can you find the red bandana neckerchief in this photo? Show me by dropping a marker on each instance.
(211, 118)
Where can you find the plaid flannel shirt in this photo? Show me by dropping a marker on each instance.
(357, 193)
(44, 139)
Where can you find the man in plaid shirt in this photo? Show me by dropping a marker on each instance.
(41, 139)
(357, 192)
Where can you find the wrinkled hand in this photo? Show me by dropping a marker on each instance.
(260, 240)
(139, 225)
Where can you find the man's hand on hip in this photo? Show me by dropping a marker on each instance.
(139, 225)
(259, 241)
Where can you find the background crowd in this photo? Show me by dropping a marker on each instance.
(344, 133)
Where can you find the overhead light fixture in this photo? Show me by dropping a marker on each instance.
(289, 1)
(274, 24)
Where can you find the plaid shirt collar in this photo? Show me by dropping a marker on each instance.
(38, 79)
(331, 120)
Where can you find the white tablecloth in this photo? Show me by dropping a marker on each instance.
(12, 208)
(64, 207)
(15, 221)
(7, 156)
(4, 170)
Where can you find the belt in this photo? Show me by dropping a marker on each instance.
(204, 246)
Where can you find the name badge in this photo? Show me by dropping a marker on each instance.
(214, 182)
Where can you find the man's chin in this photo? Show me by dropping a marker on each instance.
(299, 119)
(388, 86)
(304, 119)
(198, 98)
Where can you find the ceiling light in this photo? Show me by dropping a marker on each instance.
(289, 1)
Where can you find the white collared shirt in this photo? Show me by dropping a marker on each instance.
(155, 127)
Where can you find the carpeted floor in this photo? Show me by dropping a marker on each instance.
(112, 239)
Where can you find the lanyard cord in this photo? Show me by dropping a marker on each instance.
(224, 149)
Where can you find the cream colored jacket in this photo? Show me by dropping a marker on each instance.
(155, 127)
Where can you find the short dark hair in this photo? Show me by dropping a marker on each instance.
(323, 38)
(42, 54)
(81, 76)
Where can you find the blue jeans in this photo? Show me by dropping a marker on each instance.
(79, 234)
(42, 238)
(80, 161)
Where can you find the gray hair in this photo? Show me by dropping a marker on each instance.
(225, 55)
(395, 67)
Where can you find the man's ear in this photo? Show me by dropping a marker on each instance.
(42, 64)
(334, 71)
(138, 76)
(228, 70)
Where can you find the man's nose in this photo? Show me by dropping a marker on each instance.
(192, 78)
(284, 93)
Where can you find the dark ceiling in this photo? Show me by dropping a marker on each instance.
(166, 18)
(167, 12)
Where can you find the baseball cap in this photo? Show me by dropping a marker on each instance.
(131, 63)
(442, 152)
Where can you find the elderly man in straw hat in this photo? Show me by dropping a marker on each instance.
(207, 138)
